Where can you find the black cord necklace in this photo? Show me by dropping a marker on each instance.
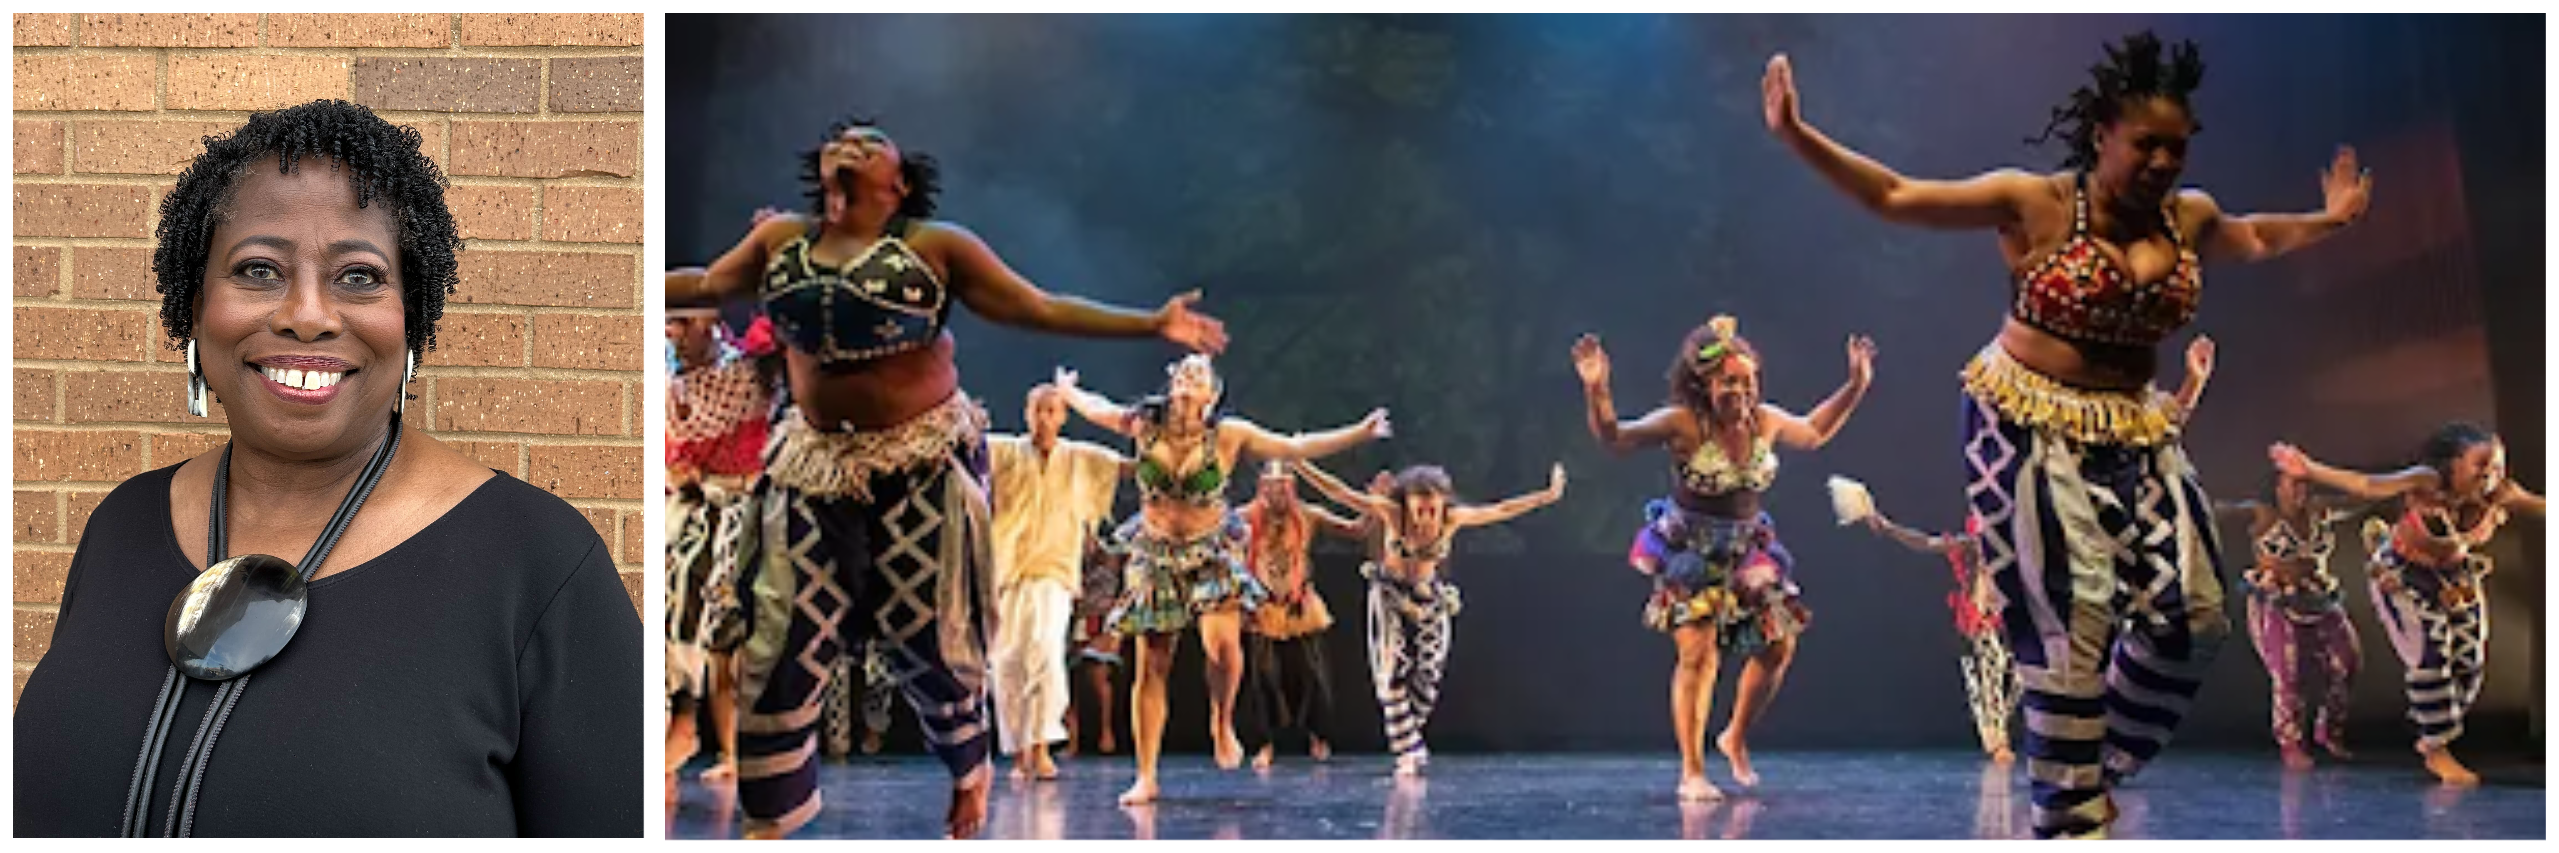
(236, 615)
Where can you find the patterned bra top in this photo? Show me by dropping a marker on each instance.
(2281, 543)
(1430, 550)
(2080, 293)
(882, 302)
(1709, 472)
(1203, 487)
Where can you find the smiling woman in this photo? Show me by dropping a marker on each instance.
(453, 654)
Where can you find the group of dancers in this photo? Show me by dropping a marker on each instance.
(878, 514)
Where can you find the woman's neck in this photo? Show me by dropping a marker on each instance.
(865, 217)
(262, 478)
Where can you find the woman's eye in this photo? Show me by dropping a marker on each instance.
(360, 277)
(261, 272)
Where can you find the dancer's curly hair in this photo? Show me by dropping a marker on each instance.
(381, 160)
(1701, 354)
(2447, 444)
(923, 174)
(2138, 68)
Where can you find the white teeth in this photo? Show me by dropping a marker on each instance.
(308, 380)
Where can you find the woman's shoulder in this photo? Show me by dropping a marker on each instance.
(137, 500)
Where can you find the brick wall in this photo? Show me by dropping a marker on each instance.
(536, 119)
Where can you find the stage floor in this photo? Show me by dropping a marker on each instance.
(1801, 795)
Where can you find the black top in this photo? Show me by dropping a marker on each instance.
(481, 678)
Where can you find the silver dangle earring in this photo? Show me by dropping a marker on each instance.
(196, 389)
(402, 407)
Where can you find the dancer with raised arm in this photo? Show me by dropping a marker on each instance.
(1722, 583)
(2070, 448)
(1185, 545)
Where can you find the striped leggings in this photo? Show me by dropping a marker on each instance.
(1408, 634)
(2438, 624)
(2108, 568)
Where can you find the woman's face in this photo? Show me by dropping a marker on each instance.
(868, 153)
(692, 338)
(1732, 388)
(2291, 493)
(2479, 470)
(1278, 491)
(300, 327)
(2141, 153)
(1192, 389)
(1425, 511)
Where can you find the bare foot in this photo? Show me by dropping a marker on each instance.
(2003, 756)
(1067, 751)
(723, 773)
(1317, 749)
(1730, 744)
(2295, 759)
(1021, 769)
(870, 743)
(1696, 789)
(1043, 768)
(2336, 750)
(1408, 764)
(1110, 745)
(968, 804)
(2448, 770)
(1262, 759)
(1139, 794)
(1230, 752)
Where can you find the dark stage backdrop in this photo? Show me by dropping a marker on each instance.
(1422, 212)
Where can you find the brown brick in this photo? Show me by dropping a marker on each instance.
(47, 455)
(88, 334)
(472, 404)
(597, 84)
(431, 140)
(39, 576)
(545, 30)
(574, 280)
(507, 456)
(171, 448)
(81, 210)
(113, 272)
(633, 535)
(37, 270)
(479, 340)
(80, 506)
(28, 29)
(588, 341)
(36, 517)
(169, 30)
(492, 213)
(592, 214)
(229, 81)
(601, 518)
(551, 149)
(359, 30)
(586, 471)
(89, 82)
(127, 396)
(140, 147)
(36, 148)
(33, 634)
(33, 391)
(631, 583)
(461, 85)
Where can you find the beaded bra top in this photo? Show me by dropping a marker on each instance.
(882, 302)
(2080, 293)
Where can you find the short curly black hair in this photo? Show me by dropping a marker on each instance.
(923, 174)
(384, 163)
(2138, 68)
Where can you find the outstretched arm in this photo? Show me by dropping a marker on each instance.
(1590, 360)
(1989, 200)
(2199, 366)
(1333, 489)
(1911, 538)
(2346, 187)
(2516, 498)
(2371, 487)
(1095, 407)
(1333, 525)
(733, 275)
(1473, 516)
(1815, 430)
(2236, 509)
(1264, 444)
(992, 289)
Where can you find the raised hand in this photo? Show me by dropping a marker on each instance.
(1197, 331)
(2346, 186)
(1064, 378)
(1777, 98)
(2199, 356)
(1861, 359)
(1591, 361)
(2289, 460)
(1375, 426)
(767, 214)
(1555, 481)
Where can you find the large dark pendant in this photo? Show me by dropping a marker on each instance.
(235, 616)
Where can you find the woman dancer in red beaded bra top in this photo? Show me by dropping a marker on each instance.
(2064, 435)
